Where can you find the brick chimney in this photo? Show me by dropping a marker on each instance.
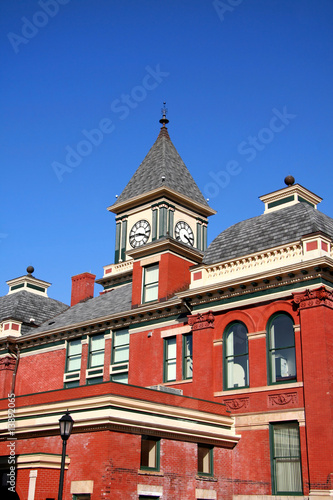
(82, 287)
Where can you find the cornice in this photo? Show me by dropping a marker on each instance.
(164, 245)
(141, 314)
(125, 414)
(293, 274)
(153, 195)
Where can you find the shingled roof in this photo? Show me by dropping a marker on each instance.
(115, 301)
(267, 231)
(161, 161)
(24, 306)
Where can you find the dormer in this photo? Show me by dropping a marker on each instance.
(290, 195)
(10, 327)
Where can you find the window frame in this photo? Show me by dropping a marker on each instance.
(227, 356)
(210, 453)
(273, 458)
(167, 360)
(95, 373)
(186, 356)
(119, 367)
(157, 452)
(271, 349)
(154, 285)
(72, 377)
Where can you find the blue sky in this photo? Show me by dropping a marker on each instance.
(248, 86)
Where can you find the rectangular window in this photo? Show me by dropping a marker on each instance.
(187, 356)
(96, 351)
(205, 460)
(120, 356)
(150, 283)
(73, 363)
(150, 453)
(285, 458)
(170, 352)
(96, 359)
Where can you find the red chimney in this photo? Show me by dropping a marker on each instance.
(82, 287)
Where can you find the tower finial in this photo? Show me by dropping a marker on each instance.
(164, 119)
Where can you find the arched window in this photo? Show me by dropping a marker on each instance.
(281, 349)
(236, 356)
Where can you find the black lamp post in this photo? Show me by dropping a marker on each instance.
(66, 425)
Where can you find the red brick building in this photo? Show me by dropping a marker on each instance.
(198, 373)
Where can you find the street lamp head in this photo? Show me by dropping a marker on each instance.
(66, 425)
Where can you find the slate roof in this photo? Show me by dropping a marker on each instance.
(24, 305)
(117, 300)
(267, 231)
(162, 160)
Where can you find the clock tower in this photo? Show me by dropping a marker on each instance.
(161, 199)
(161, 210)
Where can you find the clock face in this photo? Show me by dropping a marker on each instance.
(139, 233)
(184, 233)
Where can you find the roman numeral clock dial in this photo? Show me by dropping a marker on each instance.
(139, 233)
(184, 233)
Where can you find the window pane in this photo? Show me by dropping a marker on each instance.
(240, 339)
(238, 369)
(96, 354)
(171, 349)
(151, 293)
(204, 459)
(74, 355)
(120, 352)
(282, 330)
(187, 356)
(286, 459)
(150, 283)
(236, 356)
(151, 275)
(96, 359)
(171, 370)
(97, 342)
(121, 337)
(170, 359)
(282, 349)
(74, 347)
(120, 377)
(149, 453)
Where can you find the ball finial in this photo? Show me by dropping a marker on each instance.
(30, 269)
(289, 180)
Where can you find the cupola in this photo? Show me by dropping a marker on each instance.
(290, 195)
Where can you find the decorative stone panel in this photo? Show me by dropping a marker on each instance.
(7, 363)
(237, 403)
(201, 321)
(312, 298)
(282, 399)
